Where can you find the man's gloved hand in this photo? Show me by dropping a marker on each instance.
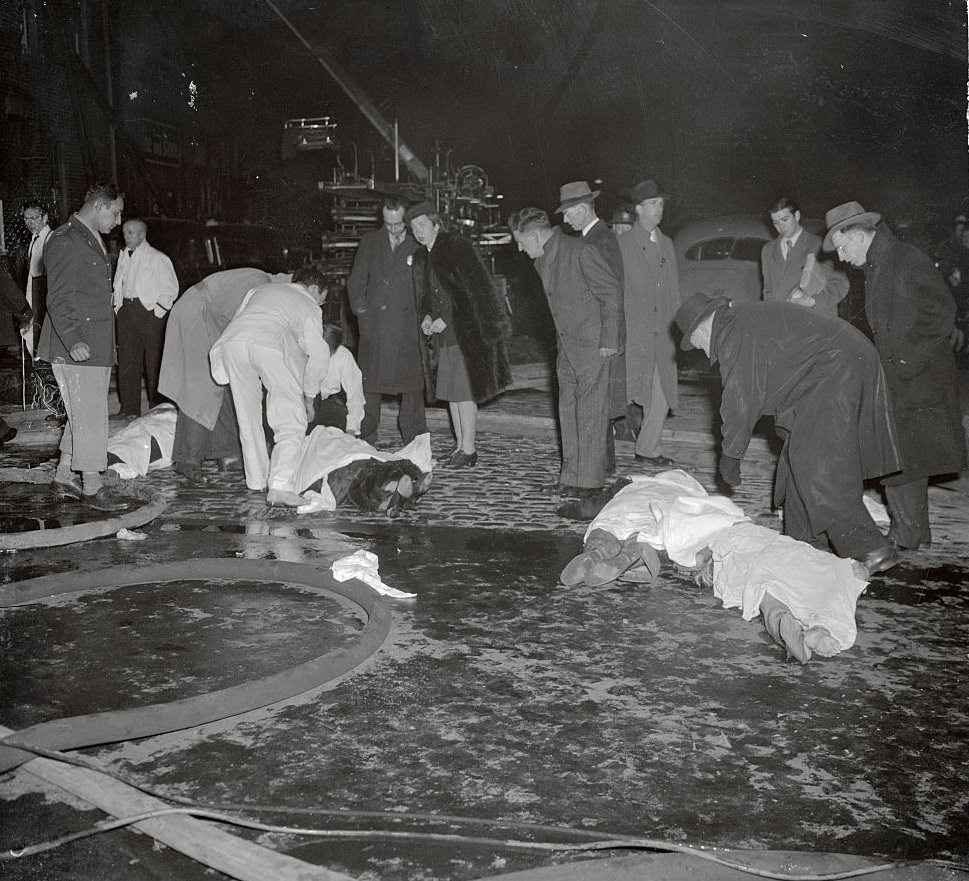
(730, 470)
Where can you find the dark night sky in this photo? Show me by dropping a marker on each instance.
(727, 102)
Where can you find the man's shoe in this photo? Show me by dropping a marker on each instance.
(105, 500)
(191, 471)
(284, 498)
(463, 460)
(655, 461)
(8, 434)
(881, 559)
(66, 489)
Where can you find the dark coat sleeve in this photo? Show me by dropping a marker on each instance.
(933, 319)
(11, 296)
(358, 281)
(603, 285)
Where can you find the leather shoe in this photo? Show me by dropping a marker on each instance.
(66, 489)
(881, 559)
(656, 461)
(463, 460)
(8, 434)
(191, 471)
(105, 500)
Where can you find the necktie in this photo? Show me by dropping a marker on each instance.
(130, 252)
(787, 247)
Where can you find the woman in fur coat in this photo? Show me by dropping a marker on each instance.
(462, 315)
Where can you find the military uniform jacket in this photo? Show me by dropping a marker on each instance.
(911, 312)
(382, 296)
(79, 295)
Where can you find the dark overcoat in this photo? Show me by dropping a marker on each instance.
(381, 292)
(79, 297)
(600, 236)
(821, 380)
(13, 304)
(453, 267)
(911, 312)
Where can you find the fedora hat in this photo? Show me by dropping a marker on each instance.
(622, 215)
(844, 215)
(646, 189)
(419, 209)
(575, 193)
(692, 312)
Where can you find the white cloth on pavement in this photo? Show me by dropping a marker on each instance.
(820, 589)
(328, 448)
(363, 565)
(877, 509)
(686, 523)
(132, 444)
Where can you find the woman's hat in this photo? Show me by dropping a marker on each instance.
(692, 313)
(419, 209)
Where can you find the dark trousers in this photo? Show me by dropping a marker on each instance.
(908, 506)
(194, 443)
(583, 416)
(140, 339)
(411, 419)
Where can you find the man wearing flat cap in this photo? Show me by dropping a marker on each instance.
(911, 312)
(822, 382)
(622, 221)
(577, 206)
(651, 296)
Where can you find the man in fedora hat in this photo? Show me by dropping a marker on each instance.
(578, 210)
(911, 313)
(651, 296)
(584, 299)
(822, 382)
(622, 221)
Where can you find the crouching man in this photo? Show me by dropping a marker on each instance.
(823, 383)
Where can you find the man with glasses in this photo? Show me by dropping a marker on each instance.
(78, 340)
(911, 313)
(381, 291)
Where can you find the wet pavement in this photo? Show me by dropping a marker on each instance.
(499, 695)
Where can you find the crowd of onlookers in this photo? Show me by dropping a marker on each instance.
(432, 327)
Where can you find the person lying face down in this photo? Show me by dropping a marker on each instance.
(372, 485)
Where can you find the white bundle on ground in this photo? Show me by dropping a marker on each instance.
(820, 589)
(133, 443)
(363, 566)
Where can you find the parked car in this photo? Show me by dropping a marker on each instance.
(198, 249)
(720, 256)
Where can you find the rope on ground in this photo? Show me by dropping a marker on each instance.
(147, 721)
(48, 538)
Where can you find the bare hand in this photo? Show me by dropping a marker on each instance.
(607, 353)
(799, 298)
(957, 339)
(80, 352)
(438, 325)
(426, 325)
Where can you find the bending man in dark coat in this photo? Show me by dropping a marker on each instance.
(381, 291)
(911, 312)
(586, 305)
(822, 382)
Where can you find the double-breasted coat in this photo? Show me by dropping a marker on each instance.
(651, 296)
(452, 271)
(600, 236)
(79, 297)
(381, 292)
(911, 312)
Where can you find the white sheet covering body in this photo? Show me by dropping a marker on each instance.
(820, 589)
(132, 444)
(327, 448)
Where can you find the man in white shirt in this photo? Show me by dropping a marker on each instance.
(145, 287)
(275, 341)
(37, 221)
(343, 379)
